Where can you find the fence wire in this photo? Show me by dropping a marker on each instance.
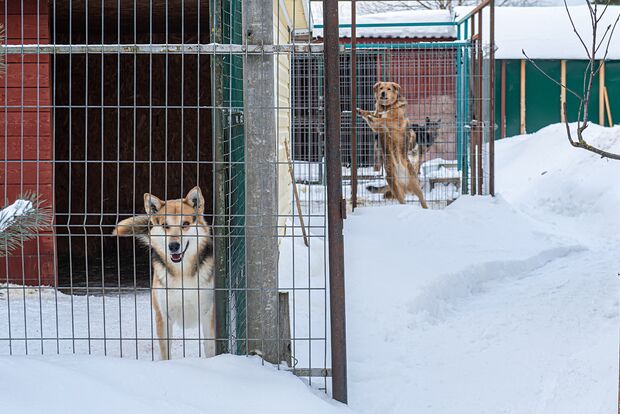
(103, 102)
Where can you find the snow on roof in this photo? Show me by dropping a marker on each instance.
(543, 32)
(403, 16)
(546, 32)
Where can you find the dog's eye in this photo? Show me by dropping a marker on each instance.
(186, 224)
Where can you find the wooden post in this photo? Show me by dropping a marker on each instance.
(522, 125)
(601, 95)
(286, 352)
(608, 107)
(296, 196)
(562, 89)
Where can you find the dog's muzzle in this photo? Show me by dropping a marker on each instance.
(177, 257)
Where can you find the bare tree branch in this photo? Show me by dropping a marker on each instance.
(549, 77)
(592, 70)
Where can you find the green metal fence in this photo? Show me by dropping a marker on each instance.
(542, 96)
(230, 179)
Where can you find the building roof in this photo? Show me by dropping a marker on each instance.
(543, 32)
(408, 16)
(546, 32)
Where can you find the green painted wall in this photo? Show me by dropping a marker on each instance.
(542, 96)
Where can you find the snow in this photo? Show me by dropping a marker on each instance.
(403, 16)
(491, 305)
(546, 32)
(10, 212)
(78, 384)
(543, 32)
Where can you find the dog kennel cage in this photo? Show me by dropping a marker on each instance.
(103, 101)
(443, 65)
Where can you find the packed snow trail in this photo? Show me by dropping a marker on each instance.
(505, 305)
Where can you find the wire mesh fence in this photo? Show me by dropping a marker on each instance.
(442, 93)
(177, 230)
(181, 146)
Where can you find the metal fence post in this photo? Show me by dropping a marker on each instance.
(336, 204)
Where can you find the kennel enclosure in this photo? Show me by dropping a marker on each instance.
(105, 101)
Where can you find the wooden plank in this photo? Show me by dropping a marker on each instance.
(444, 180)
(562, 89)
(42, 244)
(28, 269)
(522, 124)
(15, 123)
(601, 95)
(286, 352)
(18, 172)
(608, 107)
(28, 75)
(29, 26)
(25, 59)
(26, 148)
(32, 97)
(24, 7)
(12, 191)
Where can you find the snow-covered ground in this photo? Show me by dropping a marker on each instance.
(505, 305)
(81, 384)
(491, 305)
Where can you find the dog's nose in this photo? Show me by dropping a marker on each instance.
(174, 246)
(383, 94)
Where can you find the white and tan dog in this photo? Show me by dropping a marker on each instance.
(182, 260)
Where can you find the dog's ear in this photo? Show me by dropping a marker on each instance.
(195, 199)
(397, 87)
(152, 204)
(374, 88)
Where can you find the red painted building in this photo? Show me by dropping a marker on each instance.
(26, 128)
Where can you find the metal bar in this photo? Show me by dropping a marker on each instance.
(400, 24)
(421, 45)
(148, 49)
(492, 98)
(522, 98)
(353, 106)
(475, 10)
(473, 133)
(480, 105)
(334, 202)
(312, 372)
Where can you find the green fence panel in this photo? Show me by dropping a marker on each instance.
(574, 81)
(542, 95)
(513, 97)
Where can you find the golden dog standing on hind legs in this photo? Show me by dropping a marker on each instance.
(390, 122)
(182, 261)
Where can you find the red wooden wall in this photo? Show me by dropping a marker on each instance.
(26, 135)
